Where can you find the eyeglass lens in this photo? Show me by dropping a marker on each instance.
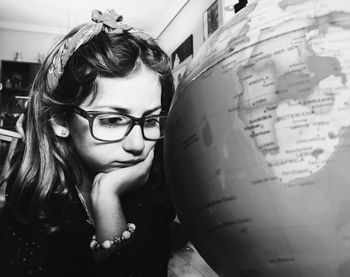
(114, 127)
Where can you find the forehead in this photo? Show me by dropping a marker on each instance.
(139, 92)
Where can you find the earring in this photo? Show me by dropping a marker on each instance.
(61, 131)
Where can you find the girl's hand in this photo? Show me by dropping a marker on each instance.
(122, 180)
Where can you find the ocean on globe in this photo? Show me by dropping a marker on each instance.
(257, 148)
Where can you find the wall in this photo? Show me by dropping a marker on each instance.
(28, 42)
(188, 21)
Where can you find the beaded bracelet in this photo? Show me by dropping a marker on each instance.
(94, 244)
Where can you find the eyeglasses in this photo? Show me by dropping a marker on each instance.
(114, 127)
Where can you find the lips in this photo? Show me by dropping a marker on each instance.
(127, 163)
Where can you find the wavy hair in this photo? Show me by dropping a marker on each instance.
(44, 169)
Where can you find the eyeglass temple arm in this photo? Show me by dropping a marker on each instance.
(80, 111)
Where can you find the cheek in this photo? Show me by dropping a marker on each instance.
(94, 156)
(84, 145)
(149, 146)
(82, 141)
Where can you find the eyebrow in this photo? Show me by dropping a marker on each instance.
(127, 111)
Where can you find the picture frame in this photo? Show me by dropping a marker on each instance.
(210, 20)
(182, 52)
(180, 58)
(231, 7)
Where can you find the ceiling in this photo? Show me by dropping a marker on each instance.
(59, 16)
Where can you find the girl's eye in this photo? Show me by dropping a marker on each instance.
(112, 120)
(151, 122)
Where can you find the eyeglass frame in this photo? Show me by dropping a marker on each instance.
(91, 115)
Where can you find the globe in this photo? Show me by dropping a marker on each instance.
(257, 148)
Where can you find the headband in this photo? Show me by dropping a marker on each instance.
(109, 22)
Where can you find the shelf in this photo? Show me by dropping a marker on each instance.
(8, 135)
(15, 90)
(16, 78)
(18, 75)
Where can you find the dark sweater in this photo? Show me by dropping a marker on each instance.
(67, 253)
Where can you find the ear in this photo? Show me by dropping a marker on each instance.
(60, 129)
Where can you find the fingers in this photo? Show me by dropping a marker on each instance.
(122, 180)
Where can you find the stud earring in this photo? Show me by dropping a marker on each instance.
(64, 132)
(61, 131)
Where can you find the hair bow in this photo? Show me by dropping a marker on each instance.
(109, 22)
(112, 21)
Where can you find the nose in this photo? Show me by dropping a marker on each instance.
(134, 142)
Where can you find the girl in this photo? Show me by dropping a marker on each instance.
(85, 193)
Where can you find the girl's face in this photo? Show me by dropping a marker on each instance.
(138, 95)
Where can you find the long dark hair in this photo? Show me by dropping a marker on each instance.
(44, 170)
